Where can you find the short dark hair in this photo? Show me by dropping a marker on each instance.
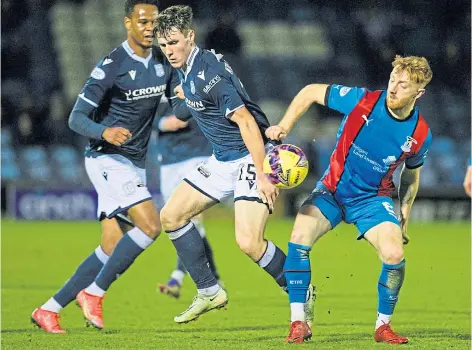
(130, 4)
(179, 17)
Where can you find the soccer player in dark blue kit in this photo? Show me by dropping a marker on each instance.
(116, 109)
(235, 127)
(381, 130)
(182, 147)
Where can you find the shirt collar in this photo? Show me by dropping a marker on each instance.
(134, 56)
(191, 59)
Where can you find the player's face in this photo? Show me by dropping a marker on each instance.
(177, 46)
(141, 24)
(401, 90)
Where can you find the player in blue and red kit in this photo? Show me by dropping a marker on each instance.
(380, 130)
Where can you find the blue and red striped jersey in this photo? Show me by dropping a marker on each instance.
(371, 144)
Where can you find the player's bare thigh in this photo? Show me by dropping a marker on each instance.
(310, 225)
(250, 221)
(185, 203)
(386, 238)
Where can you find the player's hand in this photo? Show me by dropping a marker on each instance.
(179, 92)
(403, 227)
(116, 135)
(276, 132)
(172, 123)
(267, 190)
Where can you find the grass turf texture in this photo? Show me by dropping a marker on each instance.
(433, 311)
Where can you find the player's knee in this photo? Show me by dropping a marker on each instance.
(169, 219)
(151, 228)
(250, 246)
(393, 254)
(299, 237)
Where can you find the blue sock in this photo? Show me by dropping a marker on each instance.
(390, 282)
(297, 272)
(133, 243)
(272, 261)
(191, 250)
(83, 276)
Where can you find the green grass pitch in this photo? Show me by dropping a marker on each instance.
(433, 310)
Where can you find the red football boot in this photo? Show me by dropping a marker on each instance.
(47, 320)
(91, 306)
(385, 334)
(299, 332)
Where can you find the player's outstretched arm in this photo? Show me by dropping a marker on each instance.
(314, 93)
(253, 140)
(409, 184)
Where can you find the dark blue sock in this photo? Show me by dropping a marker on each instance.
(272, 261)
(83, 276)
(297, 272)
(124, 254)
(180, 265)
(209, 255)
(390, 281)
(191, 251)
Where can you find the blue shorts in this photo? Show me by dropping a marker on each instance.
(364, 214)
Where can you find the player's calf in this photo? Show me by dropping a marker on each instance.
(298, 274)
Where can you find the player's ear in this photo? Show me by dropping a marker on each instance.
(128, 23)
(420, 93)
(191, 36)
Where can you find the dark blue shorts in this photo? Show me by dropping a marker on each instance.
(364, 214)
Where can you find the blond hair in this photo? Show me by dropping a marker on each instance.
(418, 68)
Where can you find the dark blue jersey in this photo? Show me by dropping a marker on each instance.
(212, 93)
(187, 143)
(125, 90)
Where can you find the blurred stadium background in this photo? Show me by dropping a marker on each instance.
(49, 47)
(276, 47)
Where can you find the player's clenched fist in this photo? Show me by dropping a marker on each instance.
(179, 92)
(276, 132)
(116, 136)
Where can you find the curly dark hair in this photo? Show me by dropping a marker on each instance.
(130, 4)
(178, 17)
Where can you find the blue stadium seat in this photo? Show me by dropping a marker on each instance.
(6, 137)
(10, 171)
(8, 155)
(67, 163)
(35, 163)
(64, 155)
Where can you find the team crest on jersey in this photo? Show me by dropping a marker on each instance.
(344, 90)
(406, 147)
(192, 87)
(159, 70)
(389, 160)
(98, 73)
